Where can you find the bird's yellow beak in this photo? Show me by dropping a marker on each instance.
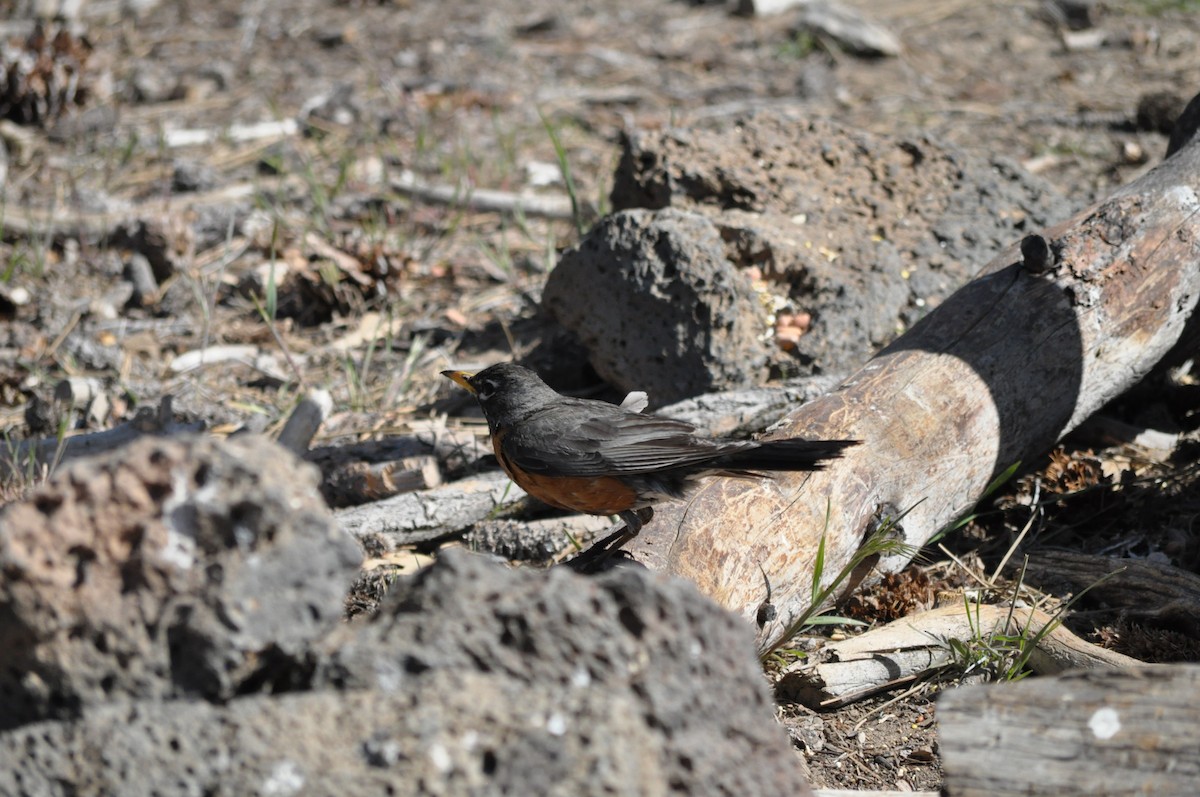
(461, 378)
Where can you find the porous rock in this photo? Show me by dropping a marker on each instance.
(473, 679)
(172, 567)
(446, 734)
(658, 305)
(689, 709)
(863, 233)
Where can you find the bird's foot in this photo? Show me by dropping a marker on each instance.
(596, 558)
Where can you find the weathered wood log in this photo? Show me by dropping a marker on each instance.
(740, 412)
(1096, 733)
(533, 540)
(1048, 333)
(911, 647)
(1138, 589)
(355, 483)
(455, 449)
(430, 515)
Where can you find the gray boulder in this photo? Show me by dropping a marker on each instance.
(172, 567)
(655, 300)
(783, 244)
(473, 679)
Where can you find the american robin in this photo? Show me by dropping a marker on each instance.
(595, 457)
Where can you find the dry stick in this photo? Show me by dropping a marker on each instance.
(1048, 333)
(907, 693)
(484, 199)
(963, 567)
(1034, 511)
(305, 420)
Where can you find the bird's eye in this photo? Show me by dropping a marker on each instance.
(485, 389)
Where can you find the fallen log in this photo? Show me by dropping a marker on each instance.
(1099, 733)
(1050, 331)
(455, 449)
(358, 483)
(1137, 589)
(913, 647)
(430, 515)
(735, 413)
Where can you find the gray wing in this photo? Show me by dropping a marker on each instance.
(609, 441)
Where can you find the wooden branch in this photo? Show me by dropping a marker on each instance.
(912, 647)
(455, 449)
(431, 515)
(305, 420)
(1100, 734)
(237, 133)
(354, 483)
(60, 223)
(484, 199)
(1046, 335)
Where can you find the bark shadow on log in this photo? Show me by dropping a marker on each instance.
(980, 325)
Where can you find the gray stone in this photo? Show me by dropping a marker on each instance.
(687, 705)
(150, 82)
(849, 28)
(446, 734)
(172, 567)
(660, 308)
(860, 233)
(474, 679)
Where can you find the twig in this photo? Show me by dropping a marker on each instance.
(484, 199)
(1034, 512)
(305, 420)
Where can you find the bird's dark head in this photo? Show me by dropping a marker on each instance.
(507, 392)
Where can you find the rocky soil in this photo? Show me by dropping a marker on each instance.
(238, 204)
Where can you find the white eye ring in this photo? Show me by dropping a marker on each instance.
(485, 389)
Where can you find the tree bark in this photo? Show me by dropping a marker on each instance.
(428, 516)
(1137, 589)
(993, 376)
(1101, 732)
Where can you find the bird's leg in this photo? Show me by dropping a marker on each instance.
(630, 526)
(633, 522)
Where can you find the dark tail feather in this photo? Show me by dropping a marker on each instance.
(786, 455)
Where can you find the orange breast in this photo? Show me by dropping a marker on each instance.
(595, 495)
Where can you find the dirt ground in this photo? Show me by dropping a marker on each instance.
(303, 242)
